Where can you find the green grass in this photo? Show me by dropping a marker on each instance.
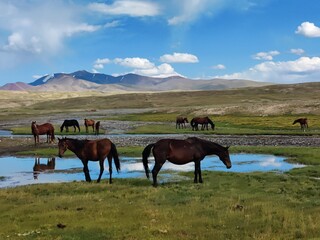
(225, 206)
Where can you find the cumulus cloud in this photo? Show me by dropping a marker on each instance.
(37, 29)
(219, 67)
(303, 69)
(308, 29)
(99, 63)
(133, 8)
(140, 66)
(266, 55)
(179, 58)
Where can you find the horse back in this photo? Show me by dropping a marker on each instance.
(96, 149)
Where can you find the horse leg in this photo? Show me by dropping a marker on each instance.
(101, 169)
(155, 171)
(74, 129)
(110, 168)
(86, 170)
(67, 129)
(93, 127)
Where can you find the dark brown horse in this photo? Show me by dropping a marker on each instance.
(91, 150)
(70, 123)
(43, 129)
(40, 167)
(303, 123)
(181, 152)
(204, 121)
(88, 123)
(181, 122)
(97, 127)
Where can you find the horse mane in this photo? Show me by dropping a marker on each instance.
(78, 143)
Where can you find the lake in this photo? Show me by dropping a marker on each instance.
(19, 171)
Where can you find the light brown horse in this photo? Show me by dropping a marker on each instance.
(181, 152)
(97, 127)
(303, 123)
(43, 129)
(40, 167)
(181, 122)
(91, 150)
(88, 123)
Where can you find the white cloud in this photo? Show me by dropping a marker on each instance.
(188, 11)
(133, 8)
(112, 24)
(219, 67)
(308, 29)
(40, 28)
(266, 55)
(135, 62)
(303, 69)
(179, 58)
(297, 51)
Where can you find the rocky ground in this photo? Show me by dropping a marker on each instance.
(9, 145)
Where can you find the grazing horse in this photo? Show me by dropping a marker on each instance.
(92, 150)
(70, 123)
(43, 129)
(88, 123)
(97, 127)
(204, 121)
(181, 121)
(181, 152)
(303, 123)
(40, 167)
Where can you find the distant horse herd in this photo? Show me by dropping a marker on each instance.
(179, 152)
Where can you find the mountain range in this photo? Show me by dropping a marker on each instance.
(86, 81)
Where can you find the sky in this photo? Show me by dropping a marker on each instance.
(262, 40)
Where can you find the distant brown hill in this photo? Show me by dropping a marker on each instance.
(86, 81)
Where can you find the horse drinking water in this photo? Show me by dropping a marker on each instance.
(92, 150)
(181, 152)
(43, 129)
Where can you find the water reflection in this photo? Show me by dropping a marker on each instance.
(24, 171)
(41, 167)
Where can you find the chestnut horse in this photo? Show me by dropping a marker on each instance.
(181, 152)
(91, 150)
(88, 123)
(204, 121)
(42, 129)
(97, 127)
(70, 123)
(40, 167)
(303, 123)
(181, 121)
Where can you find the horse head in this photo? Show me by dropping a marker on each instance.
(63, 146)
(225, 157)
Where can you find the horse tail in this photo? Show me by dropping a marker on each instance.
(115, 156)
(211, 123)
(145, 154)
(192, 123)
(52, 135)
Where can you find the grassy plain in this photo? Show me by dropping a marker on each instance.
(225, 206)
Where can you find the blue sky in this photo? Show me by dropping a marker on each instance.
(261, 40)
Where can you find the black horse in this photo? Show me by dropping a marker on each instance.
(70, 123)
(181, 152)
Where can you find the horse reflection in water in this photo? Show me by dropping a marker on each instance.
(181, 152)
(40, 167)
